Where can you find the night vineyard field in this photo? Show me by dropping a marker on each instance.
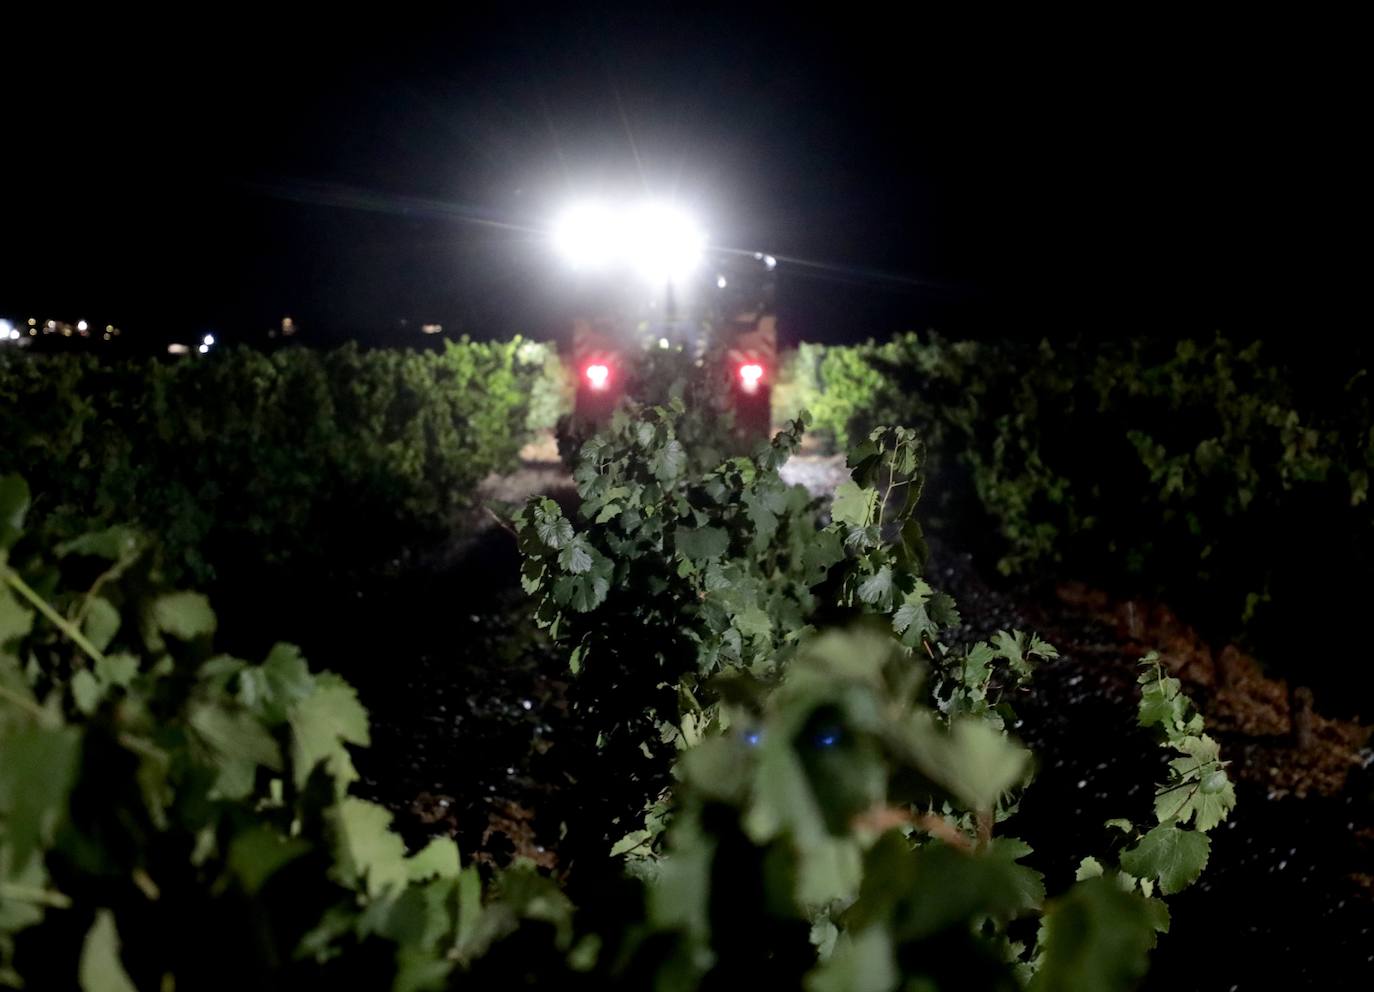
(999, 665)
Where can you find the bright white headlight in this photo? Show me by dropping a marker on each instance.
(665, 244)
(657, 240)
(587, 236)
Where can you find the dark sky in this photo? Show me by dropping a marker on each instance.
(220, 171)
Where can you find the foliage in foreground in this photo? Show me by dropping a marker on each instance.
(170, 816)
(173, 817)
(243, 458)
(688, 594)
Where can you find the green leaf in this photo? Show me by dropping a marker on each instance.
(437, 859)
(1096, 938)
(16, 619)
(1186, 799)
(876, 590)
(576, 557)
(37, 769)
(321, 724)
(14, 505)
(861, 962)
(822, 551)
(701, 543)
(112, 544)
(86, 692)
(754, 622)
(101, 623)
(257, 853)
(1160, 703)
(366, 848)
(556, 532)
(1175, 857)
(274, 687)
(100, 969)
(585, 592)
(184, 615)
(973, 761)
(970, 885)
(853, 505)
(240, 744)
(1088, 868)
(667, 462)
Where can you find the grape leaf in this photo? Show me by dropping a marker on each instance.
(973, 761)
(876, 590)
(437, 859)
(86, 691)
(1175, 857)
(184, 615)
(667, 462)
(100, 969)
(37, 769)
(576, 557)
(853, 504)
(1096, 938)
(101, 623)
(701, 543)
(16, 619)
(554, 531)
(14, 505)
(321, 724)
(117, 669)
(257, 853)
(1088, 868)
(861, 962)
(366, 847)
(272, 688)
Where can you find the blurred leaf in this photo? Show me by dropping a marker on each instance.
(14, 505)
(321, 724)
(101, 623)
(366, 847)
(257, 853)
(861, 962)
(100, 969)
(1096, 938)
(701, 543)
(184, 615)
(37, 769)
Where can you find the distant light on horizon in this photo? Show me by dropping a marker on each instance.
(81, 326)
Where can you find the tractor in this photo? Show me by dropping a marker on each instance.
(647, 280)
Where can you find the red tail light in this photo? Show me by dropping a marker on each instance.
(750, 376)
(598, 375)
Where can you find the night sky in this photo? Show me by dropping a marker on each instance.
(994, 176)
